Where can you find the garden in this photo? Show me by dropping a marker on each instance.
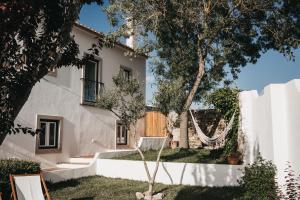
(195, 49)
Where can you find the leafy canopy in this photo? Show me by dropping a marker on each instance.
(125, 99)
(225, 35)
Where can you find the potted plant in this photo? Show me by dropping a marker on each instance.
(233, 158)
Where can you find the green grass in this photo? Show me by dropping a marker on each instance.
(97, 187)
(181, 155)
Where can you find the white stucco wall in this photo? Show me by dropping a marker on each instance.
(270, 123)
(86, 129)
(172, 173)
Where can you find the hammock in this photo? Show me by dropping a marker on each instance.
(217, 140)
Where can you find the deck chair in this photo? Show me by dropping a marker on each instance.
(28, 187)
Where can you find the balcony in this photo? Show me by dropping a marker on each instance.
(91, 90)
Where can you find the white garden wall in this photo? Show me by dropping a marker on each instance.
(270, 123)
(172, 173)
(168, 172)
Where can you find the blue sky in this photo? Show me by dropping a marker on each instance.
(271, 68)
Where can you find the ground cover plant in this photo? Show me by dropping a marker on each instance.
(97, 187)
(258, 181)
(14, 166)
(182, 155)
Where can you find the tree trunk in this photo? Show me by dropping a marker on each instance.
(184, 139)
(151, 180)
(184, 143)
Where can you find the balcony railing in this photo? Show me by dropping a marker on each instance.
(91, 90)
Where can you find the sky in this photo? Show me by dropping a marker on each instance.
(272, 67)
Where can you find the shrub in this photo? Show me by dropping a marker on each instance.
(14, 166)
(226, 101)
(292, 184)
(258, 181)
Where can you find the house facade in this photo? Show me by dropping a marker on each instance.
(62, 106)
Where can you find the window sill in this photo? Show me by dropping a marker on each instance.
(47, 151)
(85, 103)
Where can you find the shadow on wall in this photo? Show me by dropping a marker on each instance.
(11, 150)
(69, 138)
(97, 126)
(209, 175)
(208, 193)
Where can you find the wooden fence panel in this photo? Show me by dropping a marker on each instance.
(155, 124)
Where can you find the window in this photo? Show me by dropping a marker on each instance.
(48, 139)
(49, 133)
(92, 86)
(121, 134)
(126, 72)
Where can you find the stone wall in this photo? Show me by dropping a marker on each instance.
(211, 123)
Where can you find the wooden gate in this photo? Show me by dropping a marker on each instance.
(155, 124)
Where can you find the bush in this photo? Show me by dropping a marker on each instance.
(226, 101)
(292, 184)
(14, 166)
(258, 181)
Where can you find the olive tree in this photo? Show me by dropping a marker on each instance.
(206, 40)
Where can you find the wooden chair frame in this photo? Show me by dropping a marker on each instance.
(13, 189)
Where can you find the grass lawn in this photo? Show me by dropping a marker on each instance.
(181, 155)
(97, 187)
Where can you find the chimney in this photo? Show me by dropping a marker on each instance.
(130, 41)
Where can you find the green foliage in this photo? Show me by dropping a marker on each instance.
(258, 181)
(223, 34)
(125, 99)
(169, 96)
(226, 101)
(14, 166)
(292, 184)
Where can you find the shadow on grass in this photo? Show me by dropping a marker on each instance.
(64, 184)
(181, 153)
(196, 156)
(84, 198)
(209, 193)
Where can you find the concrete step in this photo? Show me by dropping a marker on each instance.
(71, 165)
(80, 160)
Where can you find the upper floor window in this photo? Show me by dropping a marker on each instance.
(126, 72)
(92, 85)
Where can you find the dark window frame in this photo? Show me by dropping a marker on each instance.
(59, 131)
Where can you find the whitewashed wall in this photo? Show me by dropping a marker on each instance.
(86, 129)
(172, 173)
(270, 122)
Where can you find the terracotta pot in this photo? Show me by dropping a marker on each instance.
(233, 158)
(174, 144)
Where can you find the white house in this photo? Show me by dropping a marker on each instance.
(62, 105)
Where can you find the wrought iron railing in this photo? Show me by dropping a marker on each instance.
(91, 90)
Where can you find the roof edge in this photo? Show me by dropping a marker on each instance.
(97, 33)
